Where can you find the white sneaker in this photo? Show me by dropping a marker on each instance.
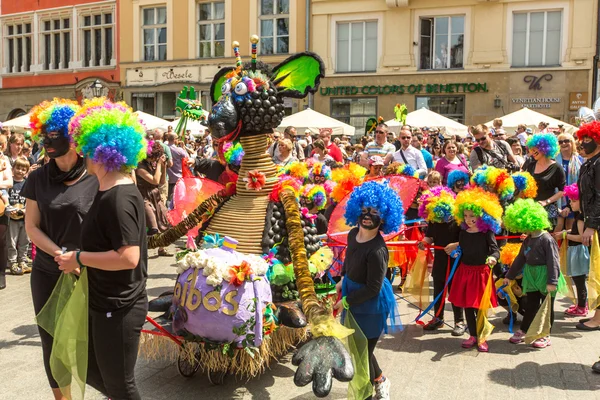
(382, 390)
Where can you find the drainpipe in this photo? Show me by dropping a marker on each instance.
(311, 99)
(596, 57)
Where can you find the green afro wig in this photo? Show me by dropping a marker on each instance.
(526, 215)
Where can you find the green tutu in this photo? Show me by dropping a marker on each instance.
(535, 279)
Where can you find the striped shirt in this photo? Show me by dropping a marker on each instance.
(374, 149)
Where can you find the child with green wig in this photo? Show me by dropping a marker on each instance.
(538, 261)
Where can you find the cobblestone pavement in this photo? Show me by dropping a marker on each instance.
(420, 366)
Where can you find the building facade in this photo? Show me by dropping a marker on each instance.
(166, 44)
(470, 60)
(56, 48)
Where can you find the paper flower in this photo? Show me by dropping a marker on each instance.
(255, 180)
(212, 241)
(238, 274)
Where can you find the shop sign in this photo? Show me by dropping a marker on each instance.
(141, 77)
(535, 82)
(403, 89)
(536, 102)
(177, 74)
(577, 100)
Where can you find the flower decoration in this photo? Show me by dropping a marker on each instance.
(238, 274)
(255, 180)
(212, 241)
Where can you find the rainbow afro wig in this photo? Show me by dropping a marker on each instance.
(346, 180)
(380, 197)
(545, 143)
(233, 153)
(315, 194)
(52, 116)
(495, 180)
(455, 176)
(296, 169)
(285, 182)
(572, 191)
(525, 185)
(437, 205)
(110, 134)
(319, 169)
(484, 205)
(591, 130)
(526, 216)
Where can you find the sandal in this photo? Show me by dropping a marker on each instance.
(164, 253)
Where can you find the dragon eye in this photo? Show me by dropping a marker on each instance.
(241, 89)
(226, 88)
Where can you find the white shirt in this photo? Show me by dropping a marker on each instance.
(414, 158)
(522, 138)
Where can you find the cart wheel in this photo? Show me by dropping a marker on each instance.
(217, 377)
(185, 368)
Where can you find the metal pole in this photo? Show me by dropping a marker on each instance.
(307, 47)
(596, 57)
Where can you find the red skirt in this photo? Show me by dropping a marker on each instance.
(468, 286)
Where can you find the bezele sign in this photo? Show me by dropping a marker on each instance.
(402, 89)
(535, 83)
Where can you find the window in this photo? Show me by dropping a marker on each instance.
(441, 43)
(98, 38)
(354, 111)
(211, 25)
(536, 39)
(274, 26)
(143, 102)
(18, 41)
(56, 43)
(356, 47)
(452, 107)
(154, 31)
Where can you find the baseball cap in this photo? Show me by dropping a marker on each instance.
(307, 131)
(375, 160)
(528, 130)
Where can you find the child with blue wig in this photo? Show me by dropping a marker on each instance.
(366, 293)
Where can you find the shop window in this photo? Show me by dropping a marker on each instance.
(356, 49)
(452, 107)
(354, 111)
(154, 32)
(274, 26)
(144, 102)
(56, 43)
(211, 29)
(166, 105)
(18, 41)
(442, 42)
(536, 39)
(97, 44)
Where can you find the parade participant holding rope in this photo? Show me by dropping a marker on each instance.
(366, 293)
(113, 251)
(59, 195)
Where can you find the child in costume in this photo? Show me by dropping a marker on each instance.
(366, 293)
(578, 255)
(457, 180)
(538, 260)
(436, 208)
(313, 199)
(479, 213)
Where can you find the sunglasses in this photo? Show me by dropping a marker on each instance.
(380, 132)
(406, 137)
(481, 140)
(564, 141)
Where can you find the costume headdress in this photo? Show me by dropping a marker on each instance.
(296, 169)
(233, 153)
(52, 116)
(525, 185)
(495, 180)
(484, 205)
(316, 194)
(109, 133)
(572, 191)
(319, 169)
(346, 180)
(591, 130)
(380, 197)
(455, 176)
(401, 169)
(526, 215)
(545, 143)
(437, 204)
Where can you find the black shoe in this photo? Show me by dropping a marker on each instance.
(596, 367)
(583, 327)
(434, 324)
(459, 329)
(584, 320)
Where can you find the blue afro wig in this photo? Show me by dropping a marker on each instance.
(455, 176)
(545, 143)
(380, 197)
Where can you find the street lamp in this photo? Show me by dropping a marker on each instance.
(96, 87)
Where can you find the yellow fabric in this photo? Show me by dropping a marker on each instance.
(484, 327)
(321, 260)
(360, 386)
(415, 281)
(594, 275)
(564, 260)
(326, 325)
(540, 326)
(514, 305)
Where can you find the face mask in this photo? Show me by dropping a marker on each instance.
(60, 144)
(375, 219)
(589, 147)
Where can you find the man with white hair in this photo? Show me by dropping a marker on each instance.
(408, 154)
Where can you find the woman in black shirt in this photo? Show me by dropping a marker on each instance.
(59, 194)
(113, 245)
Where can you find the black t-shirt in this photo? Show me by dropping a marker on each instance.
(548, 181)
(116, 219)
(477, 247)
(365, 263)
(442, 234)
(210, 168)
(578, 216)
(62, 209)
(321, 223)
(15, 198)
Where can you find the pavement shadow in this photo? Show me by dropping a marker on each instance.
(530, 375)
(157, 291)
(28, 336)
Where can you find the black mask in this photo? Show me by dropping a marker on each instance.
(375, 219)
(589, 147)
(57, 143)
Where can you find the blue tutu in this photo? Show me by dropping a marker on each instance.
(578, 260)
(376, 315)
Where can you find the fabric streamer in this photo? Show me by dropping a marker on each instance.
(360, 386)
(484, 327)
(414, 285)
(594, 275)
(509, 298)
(564, 261)
(65, 318)
(540, 327)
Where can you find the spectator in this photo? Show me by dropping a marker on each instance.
(497, 123)
(163, 186)
(496, 153)
(417, 143)
(408, 154)
(380, 146)
(15, 147)
(451, 161)
(308, 137)
(375, 167)
(285, 156)
(522, 135)
(543, 127)
(571, 163)
(499, 134)
(19, 242)
(515, 145)
(5, 183)
(179, 156)
(322, 154)
(289, 134)
(332, 149)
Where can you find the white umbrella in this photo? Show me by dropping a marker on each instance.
(152, 122)
(195, 127)
(310, 119)
(424, 117)
(19, 124)
(531, 119)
